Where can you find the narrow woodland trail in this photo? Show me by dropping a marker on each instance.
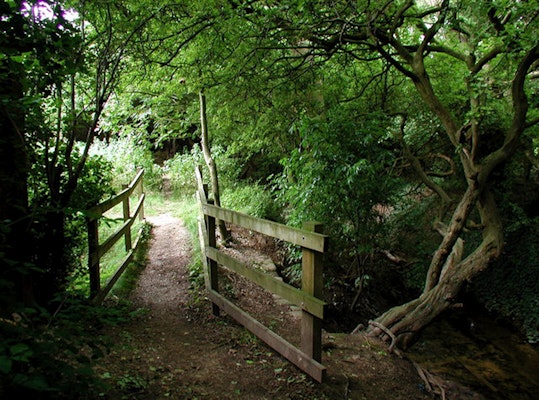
(164, 284)
(177, 350)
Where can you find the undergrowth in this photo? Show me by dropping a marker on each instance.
(49, 354)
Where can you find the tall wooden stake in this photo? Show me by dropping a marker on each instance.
(211, 164)
(312, 282)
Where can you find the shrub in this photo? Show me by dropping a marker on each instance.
(181, 173)
(253, 199)
(94, 184)
(126, 158)
(334, 178)
(50, 356)
(511, 286)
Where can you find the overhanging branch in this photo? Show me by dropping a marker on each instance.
(446, 200)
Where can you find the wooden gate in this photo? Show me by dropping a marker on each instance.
(313, 243)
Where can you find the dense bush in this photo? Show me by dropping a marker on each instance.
(127, 156)
(334, 178)
(412, 237)
(250, 198)
(94, 184)
(511, 287)
(180, 170)
(50, 355)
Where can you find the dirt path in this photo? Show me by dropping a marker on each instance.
(177, 350)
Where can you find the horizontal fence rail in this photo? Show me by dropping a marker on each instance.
(308, 299)
(96, 251)
(301, 237)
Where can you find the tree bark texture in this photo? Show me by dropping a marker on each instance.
(406, 320)
(210, 163)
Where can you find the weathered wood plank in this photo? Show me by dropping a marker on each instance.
(200, 184)
(311, 240)
(316, 370)
(139, 209)
(141, 195)
(93, 256)
(137, 179)
(213, 277)
(127, 215)
(313, 284)
(98, 210)
(302, 299)
(96, 251)
(112, 239)
(98, 299)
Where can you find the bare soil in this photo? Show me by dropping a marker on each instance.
(178, 350)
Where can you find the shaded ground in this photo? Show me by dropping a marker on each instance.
(178, 350)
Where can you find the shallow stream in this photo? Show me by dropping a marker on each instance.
(477, 352)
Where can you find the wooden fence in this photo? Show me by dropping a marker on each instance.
(96, 251)
(309, 356)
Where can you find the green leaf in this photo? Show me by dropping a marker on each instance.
(5, 365)
(38, 382)
(21, 352)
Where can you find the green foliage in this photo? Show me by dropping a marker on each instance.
(129, 279)
(511, 287)
(250, 198)
(410, 233)
(334, 178)
(307, 83)
(95, 184)
(60, 72)
(131, 383)
(186, 208)
(127, 156)
(180, 170)
(44, 355)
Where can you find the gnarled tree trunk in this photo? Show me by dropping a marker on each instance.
(444, 285)
(448, 271)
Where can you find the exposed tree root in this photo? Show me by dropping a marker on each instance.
(433, 384)
(392, 347)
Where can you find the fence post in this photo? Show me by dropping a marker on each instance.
(127, 215)
(212, 265)
(141, 192)
(93, 256)
(312, 282)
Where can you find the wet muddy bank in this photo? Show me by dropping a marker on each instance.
(470, 347)
(486, 355)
